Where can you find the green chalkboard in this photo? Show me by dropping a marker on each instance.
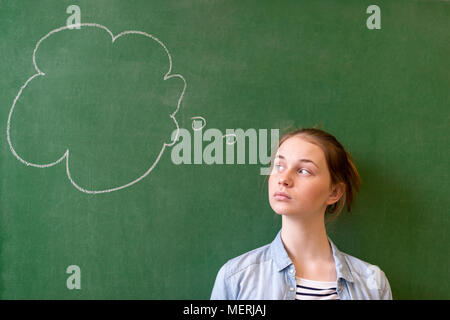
(95, 178)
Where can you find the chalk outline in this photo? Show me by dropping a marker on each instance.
(66, 154)
(223, 136)
(201, 118)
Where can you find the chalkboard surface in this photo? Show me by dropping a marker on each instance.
(95, 202)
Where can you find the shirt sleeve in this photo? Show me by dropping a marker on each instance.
(221, 287)
(386, 293)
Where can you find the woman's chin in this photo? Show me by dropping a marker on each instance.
(283, 210)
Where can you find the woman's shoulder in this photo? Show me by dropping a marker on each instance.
(356, 266)
(360, 267)
(369, 275)
(249, 259)
(248, 268)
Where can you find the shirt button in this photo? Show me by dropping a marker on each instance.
(292, 289)
(292, 271)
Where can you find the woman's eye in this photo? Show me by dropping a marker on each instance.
(304, 171)
(278, 167)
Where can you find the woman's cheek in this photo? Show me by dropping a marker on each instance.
(317, 192)
(272, 185)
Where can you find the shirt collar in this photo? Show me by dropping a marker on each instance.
(282, 260)
(279, 253)
(342, 269)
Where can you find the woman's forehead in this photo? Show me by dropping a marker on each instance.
(295, 148)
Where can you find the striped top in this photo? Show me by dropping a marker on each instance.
(315, 290)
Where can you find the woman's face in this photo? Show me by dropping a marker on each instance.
(299, 184)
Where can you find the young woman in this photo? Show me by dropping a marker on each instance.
(312, 177)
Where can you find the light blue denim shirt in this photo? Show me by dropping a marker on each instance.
(267, 273)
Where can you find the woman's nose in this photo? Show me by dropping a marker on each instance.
(285, 180)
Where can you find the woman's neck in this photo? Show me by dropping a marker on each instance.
(306, 239)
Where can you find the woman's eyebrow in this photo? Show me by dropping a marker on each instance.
(300, 160)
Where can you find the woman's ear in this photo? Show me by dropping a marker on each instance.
(336, 193)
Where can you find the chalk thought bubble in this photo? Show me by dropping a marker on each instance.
(99, 101)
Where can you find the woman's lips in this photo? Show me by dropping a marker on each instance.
(281, 196)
